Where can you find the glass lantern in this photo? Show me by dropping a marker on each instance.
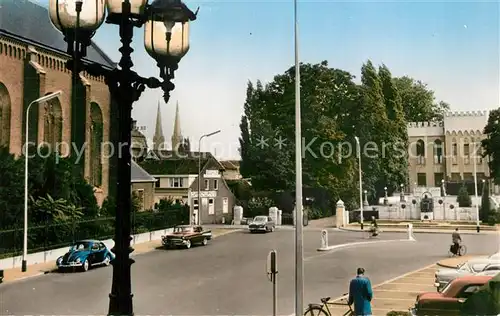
(136, 7)
(155, 39)
(63, 14)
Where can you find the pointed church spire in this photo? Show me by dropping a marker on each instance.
(158, 138)
(176, 135)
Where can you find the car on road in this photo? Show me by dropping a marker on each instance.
(186, 236)
(84, 254)
(444, 276)
(450, 299)
(262, 224)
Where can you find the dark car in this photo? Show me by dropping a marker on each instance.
(449, 301)
(262, 224)
(186, 236)
(85, 254)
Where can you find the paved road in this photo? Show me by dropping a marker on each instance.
(228, 276)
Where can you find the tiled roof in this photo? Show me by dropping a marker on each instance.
(231, 164)
(30, 22)
(172, 166)
(170, 162)
(138, 174)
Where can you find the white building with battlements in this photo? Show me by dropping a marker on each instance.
(445, 150)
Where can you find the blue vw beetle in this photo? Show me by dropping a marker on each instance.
(85, 254)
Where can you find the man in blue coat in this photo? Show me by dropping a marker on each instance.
(361, 294)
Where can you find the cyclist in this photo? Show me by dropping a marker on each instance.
(360, 294)
(456, 239)
(374, 227)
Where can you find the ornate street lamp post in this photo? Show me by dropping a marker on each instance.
(166, 39)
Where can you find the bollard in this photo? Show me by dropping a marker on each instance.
(410, 232)
(324, 239)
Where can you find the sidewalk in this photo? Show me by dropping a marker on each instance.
(35, 270)
(422, 230)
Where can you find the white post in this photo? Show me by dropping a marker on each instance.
(324, 239)
(410, 232)
(24, 265)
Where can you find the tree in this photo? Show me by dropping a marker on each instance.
(463, 198)
(491, 145)
(419, 101)
(485, 211)
(11, 189)
(396, 157)
(374, 131)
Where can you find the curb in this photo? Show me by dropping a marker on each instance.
(360, 244)
(416, 230)
(52, 270)
(444, 265)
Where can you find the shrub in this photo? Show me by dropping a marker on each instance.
(463, 198)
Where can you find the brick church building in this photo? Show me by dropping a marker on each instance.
(32, 64)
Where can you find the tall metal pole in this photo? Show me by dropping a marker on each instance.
(198, 220)
(299, 252)
(358, 149)
(24, 263)
(199, 174)
(475, 188)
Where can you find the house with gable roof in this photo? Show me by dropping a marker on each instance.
(176, 172)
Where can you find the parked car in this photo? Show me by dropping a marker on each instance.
(85, 254)
(444, 276)
(262, 224)
(449, 300)
(186, 236)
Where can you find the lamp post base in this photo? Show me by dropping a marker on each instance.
(24, 266)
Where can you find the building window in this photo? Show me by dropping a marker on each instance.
(421, 179)
(438, 151)
(466, 153)
(468, 176)
(454, 152)
(207, 185)
(420, 152)
(139, 195)
(437, 179)
(211, 208)
(176, 183)
(216, 184)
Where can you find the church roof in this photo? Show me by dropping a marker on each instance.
(30, 23)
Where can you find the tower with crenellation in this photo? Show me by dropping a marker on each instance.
(444, 150)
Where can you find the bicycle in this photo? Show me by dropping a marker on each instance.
(462, 250)
(323, 309)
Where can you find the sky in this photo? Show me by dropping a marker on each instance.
(453, 46)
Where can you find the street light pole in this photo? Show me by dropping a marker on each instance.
(358, 149)
(199, 179)
(299, 251)
(166, 39)
(24, 264)
(475, 187)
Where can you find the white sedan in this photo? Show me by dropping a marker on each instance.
(479, 266)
